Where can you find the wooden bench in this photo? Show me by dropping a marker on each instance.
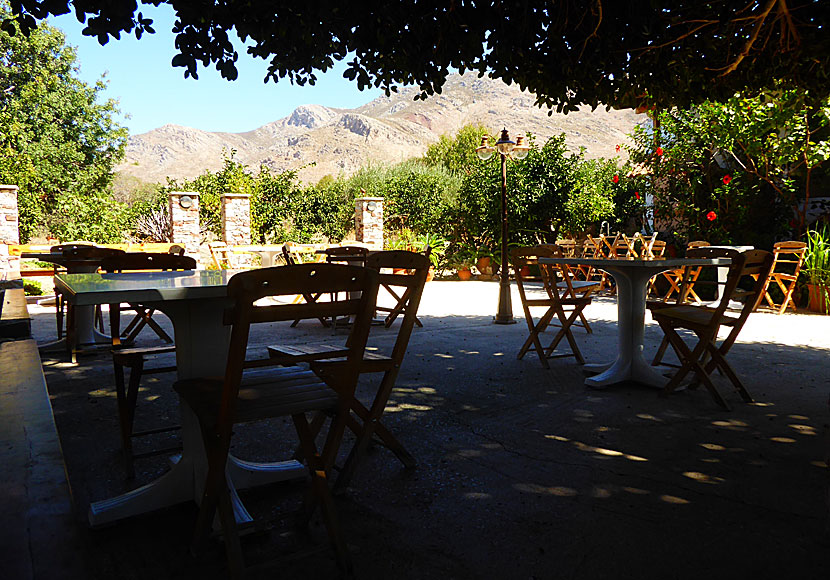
(40, 535)
(14, 316)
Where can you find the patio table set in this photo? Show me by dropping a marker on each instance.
(569, 281)
(212, 310)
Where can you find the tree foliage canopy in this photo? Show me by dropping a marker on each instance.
(57, 142)
(567, 52)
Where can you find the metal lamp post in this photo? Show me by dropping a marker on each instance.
(506, 149)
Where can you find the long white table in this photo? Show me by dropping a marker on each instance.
(194, 301)
(631, 277)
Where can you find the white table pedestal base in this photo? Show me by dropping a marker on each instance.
(630, 364)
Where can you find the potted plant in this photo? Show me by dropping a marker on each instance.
(816, 269)
(437, 251)
(484, 261)
(462, 262)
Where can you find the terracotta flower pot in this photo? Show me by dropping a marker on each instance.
(484, 265)
(464, 274)
(818, 298)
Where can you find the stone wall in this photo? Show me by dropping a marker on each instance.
(9, 223)
(184, 217)
(368, 221)
(236, 225)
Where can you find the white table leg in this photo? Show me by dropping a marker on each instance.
(630, 364)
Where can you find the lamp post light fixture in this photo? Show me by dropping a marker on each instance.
(506, 148)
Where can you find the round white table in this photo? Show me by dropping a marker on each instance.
(631, 277)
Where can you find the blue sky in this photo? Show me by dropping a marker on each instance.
(153, 93)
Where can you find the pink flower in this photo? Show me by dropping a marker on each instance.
(711, 216)
(618, 148)
(637, 194)
(726, 179)
(616, 179)
(659, 152)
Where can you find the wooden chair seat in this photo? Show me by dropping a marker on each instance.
(695, 317)
(291, 355)
(263, 393)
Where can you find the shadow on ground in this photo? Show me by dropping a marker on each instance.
(523, 472)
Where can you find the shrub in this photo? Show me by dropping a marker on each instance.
(32, 288)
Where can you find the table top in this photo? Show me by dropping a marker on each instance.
(657, 264)
(86, 289)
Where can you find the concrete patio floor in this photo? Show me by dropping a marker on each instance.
(522, 472)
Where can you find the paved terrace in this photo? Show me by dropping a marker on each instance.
(523, 472)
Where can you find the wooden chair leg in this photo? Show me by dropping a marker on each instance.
(533, 339)
(690, 360)
(60, 304)
(127, 399)
(366, 430)
(661, 352)
(319, 482)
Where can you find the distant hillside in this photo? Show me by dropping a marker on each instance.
(387, 130)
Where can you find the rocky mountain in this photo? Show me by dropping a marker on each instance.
(386, 130)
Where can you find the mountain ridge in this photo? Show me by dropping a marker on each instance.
(317, 141)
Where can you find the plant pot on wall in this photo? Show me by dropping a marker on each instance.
(464, 274)
(818, 295)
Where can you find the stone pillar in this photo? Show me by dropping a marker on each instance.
(9, 232)
(184, 218)
(368, 221)
(236, 225)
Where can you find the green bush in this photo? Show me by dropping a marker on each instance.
(32, 288)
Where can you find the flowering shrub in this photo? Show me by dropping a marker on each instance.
(739, 171)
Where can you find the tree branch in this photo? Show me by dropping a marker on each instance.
(759, 23)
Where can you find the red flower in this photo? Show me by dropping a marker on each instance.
(618, 148)
(711, 216)
(616, 179)
(637, 194)
(726, 179)
(659, 152)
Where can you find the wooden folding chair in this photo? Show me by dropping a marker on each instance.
(572, 287)
(366, 422)
(398, 288)
(706, 321)
(595, 248)
(254, 390)
(222, 256)
(656, 250)
(143, 261)
(675, 277)
(554, 302)
(786, 265)
(291, 258)
(623, 247)
(136, 358)
(79, 251)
